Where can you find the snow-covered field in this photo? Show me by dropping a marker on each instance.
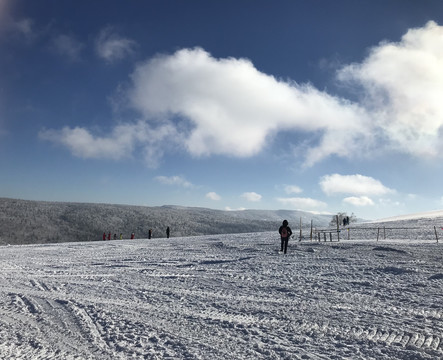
(222, 297)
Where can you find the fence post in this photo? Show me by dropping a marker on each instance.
(338, 229)
(436, 236)
(349, 233)
(310, 236)
(300, 230)
(384, 232)
(378, 233)
(324, 235)
(330, 236)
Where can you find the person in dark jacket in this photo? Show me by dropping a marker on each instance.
(167, 232)
(285, 232)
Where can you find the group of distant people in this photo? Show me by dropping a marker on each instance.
(110, 237)
(346, 221)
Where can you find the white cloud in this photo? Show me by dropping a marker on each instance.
(352, 184)
(251, 196)
(306, 204)
(403, 86)
(174, 180)
(82, 144)
(117, 145)
(293, 189)
(359, 201)
(67, 46)
(228, 107)
(227, 208)
(113, 47)
(213, 196)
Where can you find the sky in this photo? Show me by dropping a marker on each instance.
(322, 106)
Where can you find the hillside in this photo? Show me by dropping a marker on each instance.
(30, 222)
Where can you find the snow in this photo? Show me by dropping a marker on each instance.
(222, 297)
(429, 215)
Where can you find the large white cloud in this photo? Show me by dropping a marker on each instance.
(227, 107)
(231, 108)
(403, 88)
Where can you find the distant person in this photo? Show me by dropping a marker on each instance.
(104, 236)
(115, 236)
(121, 236)
(109, 236)
(285, 232)
(167, 232)
(132, 236)
(150, 233)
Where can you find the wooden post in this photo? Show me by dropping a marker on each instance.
(436, 236)
(310, 236)
(324, 235)
(330, 236)
(318, 236)
(378, 232)
(338, 229)
(384, 232)
(300, 230)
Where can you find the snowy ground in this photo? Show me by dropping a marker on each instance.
(222, 297)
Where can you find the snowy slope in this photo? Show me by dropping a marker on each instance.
(222, 297)
(424, 215)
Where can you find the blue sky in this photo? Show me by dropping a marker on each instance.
(322, 106)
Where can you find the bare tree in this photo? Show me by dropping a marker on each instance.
(342, 216)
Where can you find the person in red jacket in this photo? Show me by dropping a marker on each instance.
(109, 236)
(104, 236)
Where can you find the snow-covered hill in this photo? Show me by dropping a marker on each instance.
(31, 222)
(222, 297)
(423, 215)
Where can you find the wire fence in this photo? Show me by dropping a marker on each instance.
(378, 233)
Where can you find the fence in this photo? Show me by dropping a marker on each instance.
(427, 232)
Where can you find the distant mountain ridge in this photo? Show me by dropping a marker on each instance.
(31, 222)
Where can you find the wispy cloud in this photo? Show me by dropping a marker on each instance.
(174, 180)
(251, 196)
(213, 196)
(293, 189)
(67, 46)
(112, 47)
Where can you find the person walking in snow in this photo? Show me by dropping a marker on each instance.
(167, 232)
(285, 232)
(104, 236)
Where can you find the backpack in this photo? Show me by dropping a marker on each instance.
(284, 232)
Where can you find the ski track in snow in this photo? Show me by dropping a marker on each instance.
(219, 297)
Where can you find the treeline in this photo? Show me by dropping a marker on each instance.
(29, 222)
